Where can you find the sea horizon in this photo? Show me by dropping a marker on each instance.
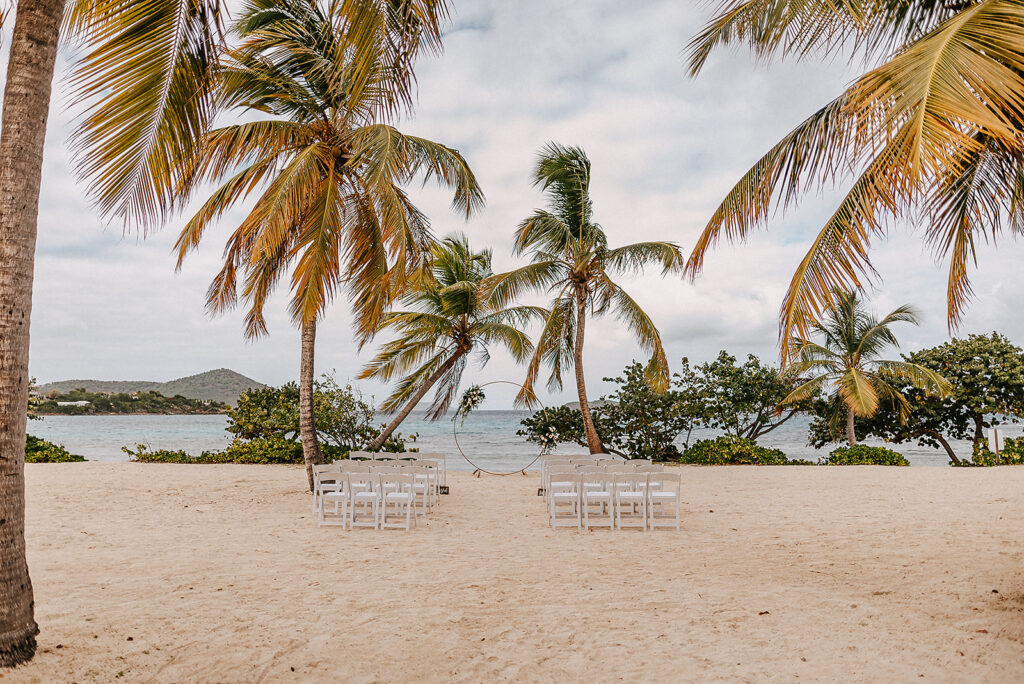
(487, 436)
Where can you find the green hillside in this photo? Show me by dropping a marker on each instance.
(223, 385)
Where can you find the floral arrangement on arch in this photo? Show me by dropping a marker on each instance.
(471, 398)
(548, 440)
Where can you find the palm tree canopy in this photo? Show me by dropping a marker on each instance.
(571, 261)
(931, 135)
(448, 316)
(146, 84)
(847, 358)
(328, 176)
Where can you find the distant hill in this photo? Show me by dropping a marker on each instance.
(222, 385)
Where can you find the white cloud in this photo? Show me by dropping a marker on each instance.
(609, 76)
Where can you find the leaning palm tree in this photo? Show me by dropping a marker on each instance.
(571, 260)
(145, 85)
(448, 319)
(330, 208)
(930, 136)
(847, 360)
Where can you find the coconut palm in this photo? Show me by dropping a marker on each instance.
(449, 318)
(570, 259)
(846, 360)
(331, 208)
(144, 84)
(931, 136)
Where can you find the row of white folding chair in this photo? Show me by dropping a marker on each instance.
(640, 496)
(437, 458)
(556, 460)
(342, 489)
(628, 467)
(429, 485)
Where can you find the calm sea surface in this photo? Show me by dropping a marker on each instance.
(487, 437)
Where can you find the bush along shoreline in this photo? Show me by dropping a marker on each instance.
(38, 450)
(265, 426)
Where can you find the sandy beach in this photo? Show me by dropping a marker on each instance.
(171, 573)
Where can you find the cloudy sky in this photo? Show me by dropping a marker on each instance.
(605, 75)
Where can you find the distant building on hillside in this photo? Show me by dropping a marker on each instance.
(72, 403)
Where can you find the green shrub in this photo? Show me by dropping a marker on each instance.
(730, 450)
(40, 451)
(267, 450)
(1012, 454)
(862, 454)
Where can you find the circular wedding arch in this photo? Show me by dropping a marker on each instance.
(455, 434)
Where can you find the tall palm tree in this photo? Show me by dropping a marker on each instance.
(449, 318)
(570, 259)
(847, 361)
(144, 84)
(331, 208)
(932, 135)
(25, 109)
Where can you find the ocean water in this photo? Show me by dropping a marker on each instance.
(488, 438)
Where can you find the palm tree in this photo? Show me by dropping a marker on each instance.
(847, 360)
(570, 258)
(144, 85)
(25, 108)
(931, 135)
(450, 318)
(331, 209)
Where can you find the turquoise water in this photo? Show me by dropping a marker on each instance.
(487, 437)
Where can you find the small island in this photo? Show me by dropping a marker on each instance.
(79, 402)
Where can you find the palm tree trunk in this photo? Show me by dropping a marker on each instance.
(851, 432)
(307, 421)
(25, 109)
(589, 429)
(379, 440)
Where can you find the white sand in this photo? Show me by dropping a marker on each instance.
(218, 573)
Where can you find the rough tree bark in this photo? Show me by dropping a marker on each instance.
(851, 432)
(25, 109)
(589, 429)
(379, 440)
(307, 421)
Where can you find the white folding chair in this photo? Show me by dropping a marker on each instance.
(596, 491)
(317, 471)
(564, 501)
(335, 499)
(397, 493)
(424, 484)
(666, 492)
(364, 499)
(630, 495)
(441, 463)
(360, 456)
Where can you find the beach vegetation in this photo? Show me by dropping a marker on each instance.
(986, 377)
(732, 450)
(928, 137)
(1012, 453)
(743, 400)
(262, 451)
(863, 454)
(449, 318)
(345, 418)
(571, 262)
(845, 363)
(38, 450)
(79, 402)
